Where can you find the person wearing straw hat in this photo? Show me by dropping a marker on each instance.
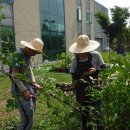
(86, 64)
(24, 85)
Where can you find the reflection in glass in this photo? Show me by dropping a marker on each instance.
(53, 7)
(45, 24)
(7, 10)
(79, 17)
(61, 26)
(44, 6)
(60, 8)
(53, 30)
(53, 25)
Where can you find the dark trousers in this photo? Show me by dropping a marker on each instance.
(26, 110)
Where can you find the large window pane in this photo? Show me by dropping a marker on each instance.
(54, 43)
(45, 24)
(53, 7)
(53, 25)
(8, 12)
(46, 41)
(78, 2)
(7, 21)
(79, 13)
(60, 5)
(89, 17)
(6, 1)
(61, 42)
(61, 29)
(44, 6)
(53, 32)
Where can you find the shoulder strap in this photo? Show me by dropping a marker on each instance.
(89, 56)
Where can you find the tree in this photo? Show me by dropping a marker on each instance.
(115, 28)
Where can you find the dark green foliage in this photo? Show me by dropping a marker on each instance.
(115, 94)
(116, 28)
(11, 104)
(62, 64)
(103, 20)
(61, 109)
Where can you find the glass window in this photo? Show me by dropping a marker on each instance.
(78, 2)
(79, 13)
(45, 24)
(7, 21)
(6, 1)
(46, 41)
(61, 26)
(88, 4)
(54, 43)
(53, 7)
(53, 25)
(44, 6)
(79, 19)
(62, 46)
(60, 7)
(7, 25)
(7, 33)
(8, 12)
(53, 31)
(89, 17)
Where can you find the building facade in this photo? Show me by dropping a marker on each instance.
(98, 31)
(57, 22)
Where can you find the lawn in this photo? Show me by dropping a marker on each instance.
(42, 108)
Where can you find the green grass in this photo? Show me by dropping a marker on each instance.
(4, 87)
(41, 102)
(41, 109)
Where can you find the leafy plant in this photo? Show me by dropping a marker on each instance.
(115, 94)
(10, 124)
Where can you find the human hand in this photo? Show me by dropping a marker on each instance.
(27, 95)
(91, 71)
(37, 86)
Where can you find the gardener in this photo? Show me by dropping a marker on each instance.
(24, 86)
(86, 64)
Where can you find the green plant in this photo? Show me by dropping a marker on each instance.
(10, 124)
(65, 59)
(115, 94)
(60, 108)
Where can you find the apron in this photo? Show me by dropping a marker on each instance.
(81, 91)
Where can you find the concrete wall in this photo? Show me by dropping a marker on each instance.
(83, 16)
(92, 25)
(70, 22)
(27, 22)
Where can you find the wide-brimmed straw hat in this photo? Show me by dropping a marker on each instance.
(83, 44)
(36, 45)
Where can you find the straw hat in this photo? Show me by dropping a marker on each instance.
(83, 44)
(36, 45)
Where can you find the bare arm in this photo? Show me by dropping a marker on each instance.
(37, 86)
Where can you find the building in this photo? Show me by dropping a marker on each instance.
(98, 31)
(57, 22)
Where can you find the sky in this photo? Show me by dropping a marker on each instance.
(111, 3)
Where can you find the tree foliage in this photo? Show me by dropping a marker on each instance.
(116, 28)
(103, 21)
